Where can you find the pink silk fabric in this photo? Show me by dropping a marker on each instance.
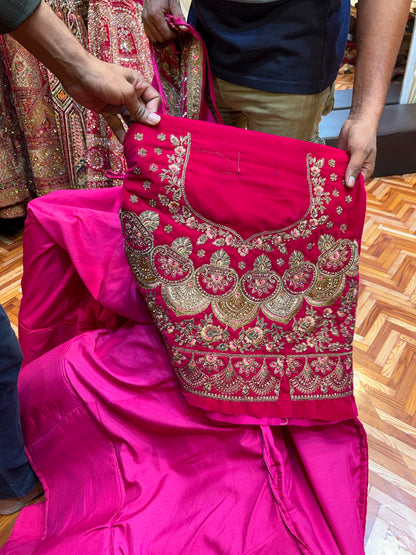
(246, 249)
(128, 466)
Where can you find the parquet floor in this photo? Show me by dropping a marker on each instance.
(385, 356)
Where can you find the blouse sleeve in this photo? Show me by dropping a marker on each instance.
(14, 12)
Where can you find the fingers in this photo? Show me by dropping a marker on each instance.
(176, 11)
(154, 20)
(360, 162)
(358, 138)
(143, 102)
(132, 97)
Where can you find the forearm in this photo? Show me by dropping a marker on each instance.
(47, 37)
(380, 28)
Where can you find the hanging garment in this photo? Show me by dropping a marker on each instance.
(50, 144)
(115, 35)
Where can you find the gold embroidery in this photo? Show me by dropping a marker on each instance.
(257, 323)
(255, 378)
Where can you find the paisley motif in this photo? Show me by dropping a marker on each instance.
(215, 281)
(135, 232)
(301, 275)
(142, 269)
(260, 286)
(338, 258)
(170, 266)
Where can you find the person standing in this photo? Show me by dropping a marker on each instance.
(274, 63)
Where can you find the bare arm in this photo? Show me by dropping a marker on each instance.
(380, 29)
(106, 88)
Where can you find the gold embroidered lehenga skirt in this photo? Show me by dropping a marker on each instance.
(47, 140)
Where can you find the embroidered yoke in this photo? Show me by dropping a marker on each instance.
(245, 247)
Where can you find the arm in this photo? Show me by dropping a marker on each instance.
(105, 88)
(154, 19)
(380, 29)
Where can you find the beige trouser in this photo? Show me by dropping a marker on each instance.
(288, 115)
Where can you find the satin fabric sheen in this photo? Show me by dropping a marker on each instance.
(128, 466)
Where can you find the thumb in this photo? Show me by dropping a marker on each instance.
(142, 104)
(141, 114)
(353, 170)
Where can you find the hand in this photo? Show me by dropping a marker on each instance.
(358, 137)
(115, 91)
(154, 19)
(106, 88)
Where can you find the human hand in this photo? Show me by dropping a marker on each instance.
(118, 93)
(358, 137)
(155, 24)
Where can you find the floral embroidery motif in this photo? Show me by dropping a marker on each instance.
(242, 316)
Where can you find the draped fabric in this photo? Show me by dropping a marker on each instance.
(128, 466)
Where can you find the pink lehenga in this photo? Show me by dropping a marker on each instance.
(127, 463)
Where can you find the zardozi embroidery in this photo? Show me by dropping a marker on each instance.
(241, 315)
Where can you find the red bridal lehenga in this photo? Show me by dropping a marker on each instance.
(47, 140)
(200, 400)
(42, 139)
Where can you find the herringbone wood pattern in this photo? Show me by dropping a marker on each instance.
(385, 362)
(385, 356)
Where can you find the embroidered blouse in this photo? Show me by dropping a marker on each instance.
(245, 247)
